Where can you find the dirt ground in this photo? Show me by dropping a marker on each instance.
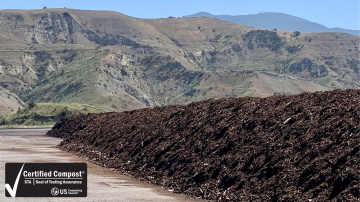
(281, 148)
(30, 145)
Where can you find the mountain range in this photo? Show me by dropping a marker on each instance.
(279, 21)
(116, 62)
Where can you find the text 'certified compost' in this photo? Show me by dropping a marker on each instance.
(45, 179)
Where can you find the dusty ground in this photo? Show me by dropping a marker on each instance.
(29, 145)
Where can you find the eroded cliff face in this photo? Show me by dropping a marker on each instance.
(9, 102)
(63, 28)
(53, 28)
(147, 79)
(119, 74)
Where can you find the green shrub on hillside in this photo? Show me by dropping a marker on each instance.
(305, 64)
(263, 39)
(296, 33)
(31, 105)
(292, 49)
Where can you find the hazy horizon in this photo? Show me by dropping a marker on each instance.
(330, 13)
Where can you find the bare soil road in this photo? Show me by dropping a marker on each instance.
(30, 145)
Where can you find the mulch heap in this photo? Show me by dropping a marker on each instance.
(281, 148)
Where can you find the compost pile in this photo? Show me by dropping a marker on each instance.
(281, 148)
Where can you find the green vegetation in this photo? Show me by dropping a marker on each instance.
(296, 33)
(45, 114)
(65, 84)
(263, 39)
(282, 65)
(354, 65)
(305, 64)
(228, 37)
(292, 49)
(308, 39)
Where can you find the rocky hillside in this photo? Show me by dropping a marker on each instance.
(9, 102)
(117, 62)
(280, 148)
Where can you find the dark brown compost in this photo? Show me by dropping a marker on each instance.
(281, 148)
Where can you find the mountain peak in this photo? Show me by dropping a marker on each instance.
(202, 14)
(280, 21)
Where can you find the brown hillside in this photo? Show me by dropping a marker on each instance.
(119, 63)
(193, 34)
(280, 148)
(9, 103)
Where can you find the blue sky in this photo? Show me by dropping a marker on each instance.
(331, 13)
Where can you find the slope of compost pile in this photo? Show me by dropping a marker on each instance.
(281, 148)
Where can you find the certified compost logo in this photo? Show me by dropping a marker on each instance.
(45, 179)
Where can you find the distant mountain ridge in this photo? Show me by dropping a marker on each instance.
(119, 63)
(280, 21)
